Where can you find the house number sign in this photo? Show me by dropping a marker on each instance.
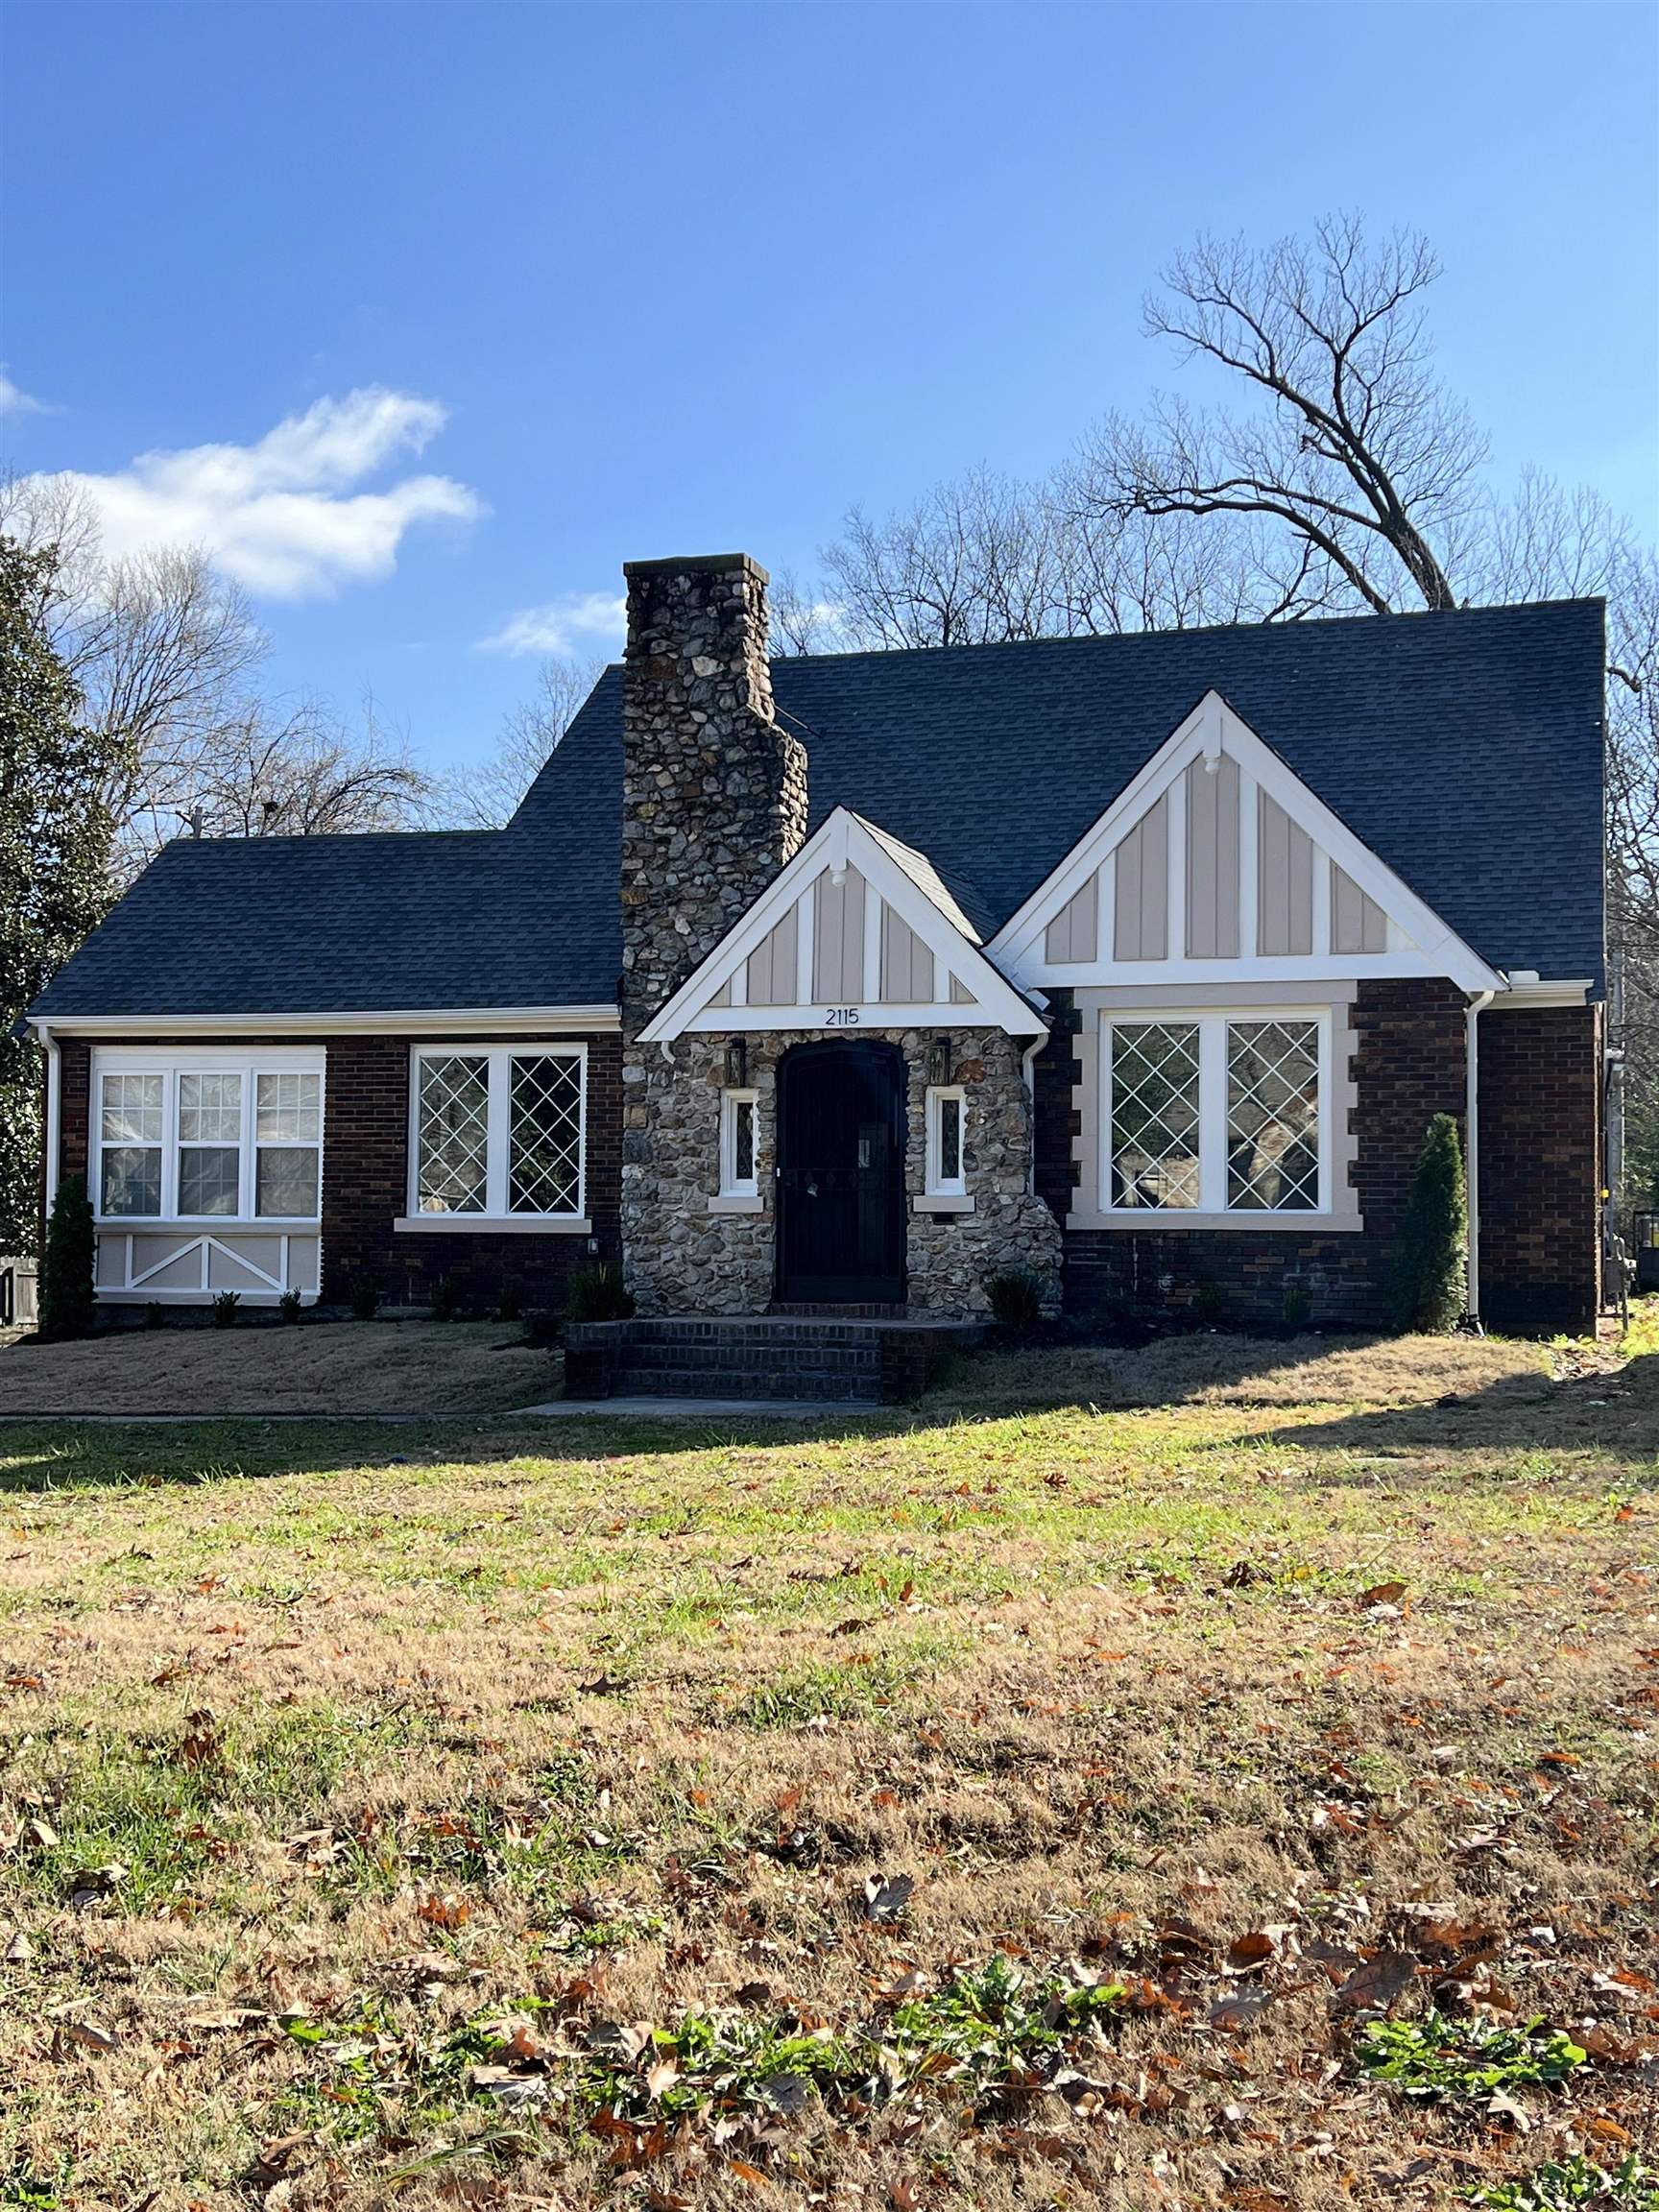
(842, 1017)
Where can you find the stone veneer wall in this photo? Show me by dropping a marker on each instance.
(693, 1261)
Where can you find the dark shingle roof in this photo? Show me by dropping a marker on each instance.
(1465, 748)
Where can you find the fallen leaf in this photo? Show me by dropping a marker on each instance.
(886, 1896)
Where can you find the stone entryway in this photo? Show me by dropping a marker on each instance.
(841, 1136)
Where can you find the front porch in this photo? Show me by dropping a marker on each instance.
(836, 1360)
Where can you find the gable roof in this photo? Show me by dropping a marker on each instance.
(1464, 749)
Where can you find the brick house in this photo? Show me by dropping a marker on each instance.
(846, 982)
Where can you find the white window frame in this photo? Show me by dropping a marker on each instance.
(732, 1184)
(498, 1110)
(939, 1184)
(246, 1062)
(1213, 1023)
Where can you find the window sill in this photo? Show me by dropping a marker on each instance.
(943, 1202)
(491, 1225)
(732, 1204)
(1159, 1220)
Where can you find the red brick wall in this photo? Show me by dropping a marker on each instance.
(1408, 1066)
(1540, 1167)
(365, 1177)
(366, 1185)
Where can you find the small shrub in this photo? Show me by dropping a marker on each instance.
(154, 1314)
(1439, 2057)
(365, 1297)
(598, 1293)
(1431, 1261)
(1209, 1305)
(1016, 1298)
(67, 1263)
(225, 1307)
(1563, 2184)
(508, 1306)
(445, 1299)
(288, 1306)
(1297, 1304)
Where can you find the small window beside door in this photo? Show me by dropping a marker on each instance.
(947, 1176)
(739, 1145)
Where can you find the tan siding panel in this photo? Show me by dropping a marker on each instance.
(1285, 883)
(772, 972)
(838, 940)
(906, 963)
(1140, 920)
(1074, 933)
(1357, 924)
(960, 995)
(1212, 860)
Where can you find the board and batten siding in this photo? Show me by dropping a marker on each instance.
(857, 940)
(838, 939)
(1248, 881)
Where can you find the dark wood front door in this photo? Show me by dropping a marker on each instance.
(841, 1112)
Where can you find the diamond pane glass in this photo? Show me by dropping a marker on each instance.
(207, 1178)
(454, 1135)
(289, 1109)
(544, 1150)
(132, 1110)
(743, 1141)
(1155, 1114)
(209, 1110)
(132, 1181)
(1273, 1116)
(287, 1181)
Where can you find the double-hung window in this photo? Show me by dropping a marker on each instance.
(497, 1132)
(211, 1137)
(1216, 1113)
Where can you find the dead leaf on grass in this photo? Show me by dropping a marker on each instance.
(886, 1896)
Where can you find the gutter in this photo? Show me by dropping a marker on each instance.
(1479, 1001)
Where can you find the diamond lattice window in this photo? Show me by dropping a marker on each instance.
(544, 1156)
(1273, 1116)
(454, 1133)
(1155, 1114)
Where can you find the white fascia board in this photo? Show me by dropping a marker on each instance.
(1575, 992)
(1214, 727)
(417, 1022)
(840, 842)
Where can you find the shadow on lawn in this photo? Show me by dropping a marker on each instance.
(1616, 1415)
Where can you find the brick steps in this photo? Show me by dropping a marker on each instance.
(832, 1361)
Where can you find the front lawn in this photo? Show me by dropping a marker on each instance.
(1045, 1798)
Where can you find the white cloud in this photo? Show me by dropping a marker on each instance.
(282, 516)
(15, 400)
(580, 621)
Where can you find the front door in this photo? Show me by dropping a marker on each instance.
(841, 1115)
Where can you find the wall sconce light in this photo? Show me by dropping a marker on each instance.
(736, 1063)
(939, 1061)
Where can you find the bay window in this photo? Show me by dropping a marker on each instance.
(497, 1132)
(209, 1136)
(1216, 1113)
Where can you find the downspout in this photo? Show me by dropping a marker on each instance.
(1028, 1070)
(1479, 1001)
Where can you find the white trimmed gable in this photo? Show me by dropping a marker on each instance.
(1219, 864)
(858, 931)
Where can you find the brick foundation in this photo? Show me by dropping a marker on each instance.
(1540, 1167)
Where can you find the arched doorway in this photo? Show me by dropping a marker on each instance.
(841, 1127)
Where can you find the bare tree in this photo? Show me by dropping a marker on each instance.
(486, 795)
(1354, 447)
(294, 772)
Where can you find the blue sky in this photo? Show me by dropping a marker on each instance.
(637, 279)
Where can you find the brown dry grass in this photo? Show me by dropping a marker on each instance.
(613, 1724)
(381, 1367)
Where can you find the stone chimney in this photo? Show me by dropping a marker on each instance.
(713, 791)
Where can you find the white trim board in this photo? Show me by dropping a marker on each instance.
(846, 840)
(1420, 942)
(402, 1022)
